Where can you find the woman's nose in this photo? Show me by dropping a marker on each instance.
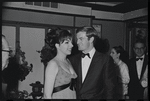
(71, 45)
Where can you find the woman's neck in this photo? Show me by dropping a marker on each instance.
(116, 61)
(61, 57)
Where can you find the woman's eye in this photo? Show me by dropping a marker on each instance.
(66, 42)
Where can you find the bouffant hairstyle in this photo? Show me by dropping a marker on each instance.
(56, 36)
(123, 54)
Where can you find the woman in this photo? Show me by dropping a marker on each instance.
(120, 58)
(59, 71)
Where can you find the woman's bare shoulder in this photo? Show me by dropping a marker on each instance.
(52, 65)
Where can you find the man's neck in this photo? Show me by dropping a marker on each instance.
(141, 56)
(88, 50)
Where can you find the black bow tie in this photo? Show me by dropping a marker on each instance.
(138, 59)
(83, 55)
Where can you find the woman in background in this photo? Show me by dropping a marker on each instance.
(59, 71)
(120, 58)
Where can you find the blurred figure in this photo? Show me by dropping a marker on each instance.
(5, 61)
(144, 82)
(120, 58)
(5, 52)
(59, 72)
(138, 67)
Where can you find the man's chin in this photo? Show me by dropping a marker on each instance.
(139, 55)
(80, 49)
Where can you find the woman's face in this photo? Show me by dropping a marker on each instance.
(66, 46)
(114, 54)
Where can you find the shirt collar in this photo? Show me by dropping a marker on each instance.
(92, 52)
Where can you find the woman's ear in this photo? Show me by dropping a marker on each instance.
(57, 45)
(118, 55)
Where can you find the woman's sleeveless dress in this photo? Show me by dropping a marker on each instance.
(63, 77)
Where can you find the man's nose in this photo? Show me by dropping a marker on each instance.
(77, 41)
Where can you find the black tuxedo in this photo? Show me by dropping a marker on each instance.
(135, 88)
(100, 80)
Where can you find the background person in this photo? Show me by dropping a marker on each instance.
(120, 58)
(5, 61)
(5, 52)
(137, 68)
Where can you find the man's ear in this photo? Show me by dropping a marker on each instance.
(91, 39)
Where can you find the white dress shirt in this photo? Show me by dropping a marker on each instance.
(86, 61)
(139, 65)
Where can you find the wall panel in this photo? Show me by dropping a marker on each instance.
(31, 40)
(37, 17)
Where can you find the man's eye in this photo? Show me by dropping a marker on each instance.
(66, 42)
(81, 38)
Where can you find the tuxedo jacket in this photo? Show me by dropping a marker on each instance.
(100, 79)
(135, 88)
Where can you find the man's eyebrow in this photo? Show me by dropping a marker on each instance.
(81, 37)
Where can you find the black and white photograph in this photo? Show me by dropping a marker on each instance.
(75, 50)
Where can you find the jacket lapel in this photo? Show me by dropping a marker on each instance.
(79, 71)
(143, 67)
(135, 68)
(93, 62)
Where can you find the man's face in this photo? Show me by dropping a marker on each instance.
(139, 49)
(82, 41)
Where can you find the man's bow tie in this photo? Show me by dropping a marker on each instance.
(83, 55)
(138, 59)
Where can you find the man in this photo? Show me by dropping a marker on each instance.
(96, 73)
(137, 67)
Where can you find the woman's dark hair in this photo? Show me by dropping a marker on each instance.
(124, 56)
(56, 36)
